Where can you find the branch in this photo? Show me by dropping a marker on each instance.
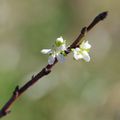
(84, 30)
(47, 69)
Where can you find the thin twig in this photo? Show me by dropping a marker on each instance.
(46, 70)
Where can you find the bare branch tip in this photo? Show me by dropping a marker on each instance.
(103, 15)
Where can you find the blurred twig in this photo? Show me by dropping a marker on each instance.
(47, 69)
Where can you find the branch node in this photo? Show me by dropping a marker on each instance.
(47, 71)
(32, 77)
(4, 113)
(16, 91)
(7, 112)
(84, 30)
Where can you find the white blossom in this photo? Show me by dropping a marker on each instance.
(85, 45)
(46, 51)
(60, 39)
(62, 47)
(57, 53)
(82, 52)
(51, 59)
(60, 58)
(76, 54)
(86, 56)
(60, 42)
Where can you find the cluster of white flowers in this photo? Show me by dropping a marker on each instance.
(59, 51)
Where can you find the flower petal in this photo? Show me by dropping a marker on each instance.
(60, 58)
(60, 39)
(77, 49)
(46, 51)
(51, 59)
(62, 47)
(86, 56)
(85, 45)
(77, 56)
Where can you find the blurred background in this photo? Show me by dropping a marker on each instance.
(74, 90)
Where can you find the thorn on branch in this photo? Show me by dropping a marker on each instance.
(32, 77)
(16, 91)
(84, 30)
